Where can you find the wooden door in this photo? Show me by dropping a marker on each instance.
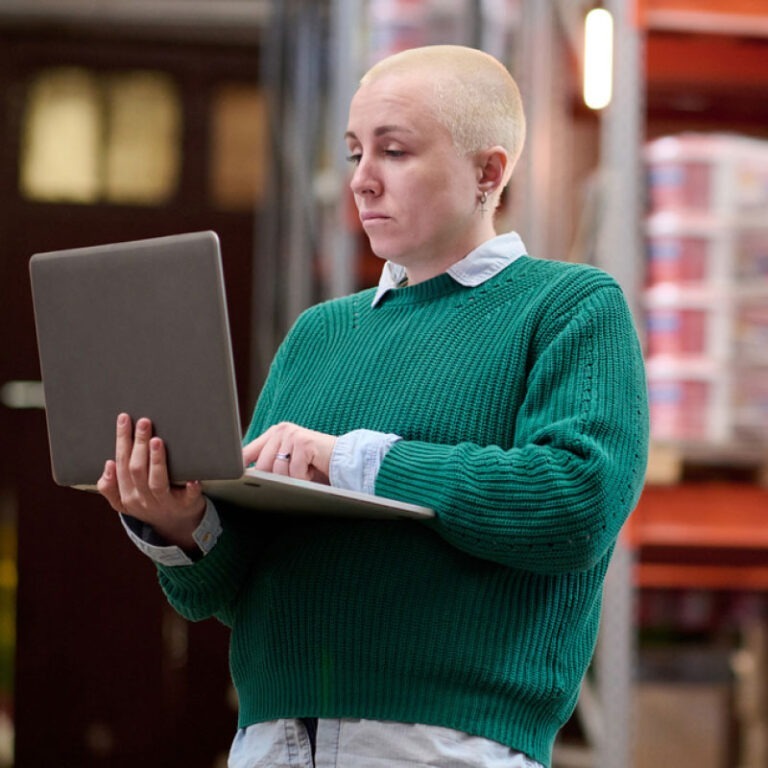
(104, 673)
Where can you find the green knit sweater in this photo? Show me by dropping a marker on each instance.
(523, 410)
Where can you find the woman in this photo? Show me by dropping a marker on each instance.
(503, 391)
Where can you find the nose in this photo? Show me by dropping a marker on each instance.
(365, 178)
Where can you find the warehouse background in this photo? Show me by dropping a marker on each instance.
(124, 119)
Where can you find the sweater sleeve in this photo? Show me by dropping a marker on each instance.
(209, 586)
(556, 500)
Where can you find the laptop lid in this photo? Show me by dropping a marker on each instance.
(138, 327)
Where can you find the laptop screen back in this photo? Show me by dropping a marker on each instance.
(138, 327)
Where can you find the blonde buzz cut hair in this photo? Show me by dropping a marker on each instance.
(474, 96)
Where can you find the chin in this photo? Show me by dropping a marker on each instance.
(383, 252)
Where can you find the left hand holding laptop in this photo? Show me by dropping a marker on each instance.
(136, 483)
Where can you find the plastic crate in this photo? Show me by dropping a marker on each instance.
(688, 401)
(719, 173)
(687, 322)
(688, 249)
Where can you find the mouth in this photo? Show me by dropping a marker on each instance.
(371, 217)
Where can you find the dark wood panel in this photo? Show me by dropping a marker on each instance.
(96, 682)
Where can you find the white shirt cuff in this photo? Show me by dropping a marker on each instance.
(144, 537)
(357, 457)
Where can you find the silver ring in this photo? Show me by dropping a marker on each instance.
(282, 457)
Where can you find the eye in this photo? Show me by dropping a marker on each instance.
(354, 158)
(395, 153)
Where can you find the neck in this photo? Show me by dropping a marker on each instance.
(419, 271)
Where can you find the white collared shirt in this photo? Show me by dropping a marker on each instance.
(474, 269)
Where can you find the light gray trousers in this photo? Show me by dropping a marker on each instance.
(367, 744)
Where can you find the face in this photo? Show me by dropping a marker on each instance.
(416, 195)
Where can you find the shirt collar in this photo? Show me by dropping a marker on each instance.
(474, 269)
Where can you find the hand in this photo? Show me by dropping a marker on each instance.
(136, 483)
(288, 449)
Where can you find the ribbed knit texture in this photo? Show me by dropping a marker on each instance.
(523, 411)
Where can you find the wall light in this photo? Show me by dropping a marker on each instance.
(598, 58)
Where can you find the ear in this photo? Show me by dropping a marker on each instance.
(492, 165)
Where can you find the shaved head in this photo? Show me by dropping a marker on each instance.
(470, 92)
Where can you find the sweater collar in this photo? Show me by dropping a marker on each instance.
(474, 269)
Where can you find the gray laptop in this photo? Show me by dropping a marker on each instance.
(141, 327)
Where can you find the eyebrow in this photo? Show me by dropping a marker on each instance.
(382, 130)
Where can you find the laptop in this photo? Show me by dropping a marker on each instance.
(142, 327)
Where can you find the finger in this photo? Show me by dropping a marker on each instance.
(107, 486)
(272, 442)
(283, 460)
(159, 478)
(261, 451)
(158, 481)
(310, 455)
(123, 449)
(139, 461)
(302, 464)
(192, 492)
(252, 451)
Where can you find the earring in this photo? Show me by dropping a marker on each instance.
(483, 200)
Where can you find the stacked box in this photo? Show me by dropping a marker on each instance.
(713, 174)
(706, 295)
(689, 400)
